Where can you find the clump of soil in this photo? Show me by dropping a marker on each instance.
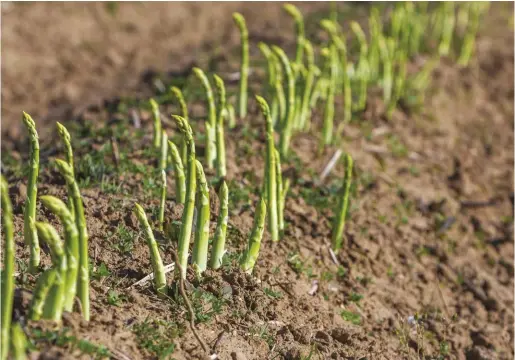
(427, 266)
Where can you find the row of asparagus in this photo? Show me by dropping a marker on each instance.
(292, 91)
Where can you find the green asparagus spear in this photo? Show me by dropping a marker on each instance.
(8, 271)
(200, 247)
(218, 248)
(251, 254)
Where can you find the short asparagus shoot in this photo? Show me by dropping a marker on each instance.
(221, 170)
(218, 248)
(155, 257)
(162, 204)
(66, 139)
(341, 214)
(200, 246)
(156, 119)
(178, 170)
(251, 254)
(164, 151)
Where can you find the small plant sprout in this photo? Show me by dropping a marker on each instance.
(41, 290)
(332, 63)
(71, 241)
(156, 118)
(279, 97)
(200, 246)
(177, 93)
(80, 222)
(164, 151)
(155, 257)
(287, 123)
(66, 139)
(270, 69)
(218, 248)
(239, 20)
(251, 254)
(341, 214)
(270, 190)
(211, 122)
(8, 270)
(178, 170)
(191, 185)
(470, 34)
(220, 140)
(374, 24)
(294, 12)
(54, 302)
(18, 342)
(231, 117)
(29, 227)
(163, 201)
(400, 80)
(387, 70)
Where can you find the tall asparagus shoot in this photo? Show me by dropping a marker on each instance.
(71, 241)
(211, 122)
(66, 139)
(448, 28)
(54, 302)
(287, 125)
(327, 131)
(218, 248)
(239, 20)
(470, 35)
(279, 116)
(294, 12)
(8, 270)
(341, 214)
(156, 118)
(161, 219)
(29, 227)
(362, 65)
(270, 171)
(178, 170)
(200, 246)
(164, 151)
(177, 93)
(305, 112)
(191, 185)
(155, 257)
(80, 222)
(251, 254)
(221, 169)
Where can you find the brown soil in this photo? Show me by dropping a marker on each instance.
(429, 234)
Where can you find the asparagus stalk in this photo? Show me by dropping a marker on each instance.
(29, 228)
(66, 139)
(178, 169)
(279, 117)
(305, 112)
(176, 92)
(157, 123)
(286, 128)
(200, 247)
(163, 200)
(155, 257)
(470, 35)
(221, 170)
(164, 151)
(43, 285)
(58, 208)
(8, 271)
(230, 115)
(54, 302)
(189, 204)
(211, 123)
(218, 248)
(339, 219)
(270, 171)
(239, 20)
(80, 221)
(251, 254)
(448, 28)
(294, 12)
(327, 131)
(362, 65)
(18, 342)
(280, 190)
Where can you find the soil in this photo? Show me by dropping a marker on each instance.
(427, 267)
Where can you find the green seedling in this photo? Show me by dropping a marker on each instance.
(200, 247)
(162, 205)
(8, 270)
(294, 12)
(178, 170)
(156, 118)
(66, 139)
(331, 65)
(177, 93)
(251, 254)
(221, 170)
(211, 122)
(164, 151)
